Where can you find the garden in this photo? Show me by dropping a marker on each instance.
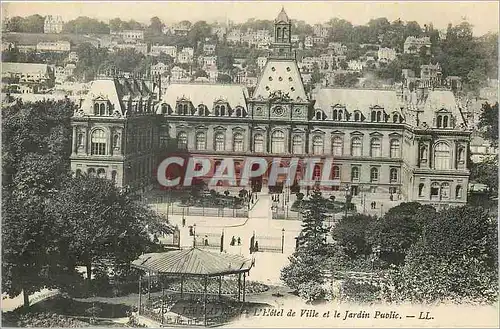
(330, 205)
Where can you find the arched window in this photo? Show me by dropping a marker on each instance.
(395, 118)
(96, 109)
(278, 142)
(238, 142)
(78, 173)
(439, 121)
(217, 110)
(102, 109)
(375, 147)
(278, 32)
(222, 110)
(201, 141)
(238, 112)
(374, 174)
(337, 146)
(445, 121)
(339, 115)
(357, 116)
(297, 145)
(395, 148)
(98, 142)
(336, 172)
(258, 143)
(334, 115)
(318, 145)
(319, 115)
(445, 191)
(435, 191)
(113, 175)
(220, 142)
(458, 192)
(201, 110)
(186, 109)
(421, 188)
(182, 140)
(91, 172)
(356, 147)
(101, 173)
(179, 109)
(316, 172)
(393, 175)
(442, 156)
(379, 116)
(355, 173)
(164, 109)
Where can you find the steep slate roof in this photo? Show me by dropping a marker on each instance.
(290, 81)
(193, 261)
(206, 94)
(358, 99)
(439, 100)
(114, 90)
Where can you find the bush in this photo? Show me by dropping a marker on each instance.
(311, 291)
(359, 292)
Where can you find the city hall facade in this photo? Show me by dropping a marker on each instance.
(411, 143)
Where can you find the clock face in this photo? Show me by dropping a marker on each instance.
(279, 111)
(298, 111)
(258, 111)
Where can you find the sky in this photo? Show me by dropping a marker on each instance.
(483, 15)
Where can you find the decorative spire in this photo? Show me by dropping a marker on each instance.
(282, 16)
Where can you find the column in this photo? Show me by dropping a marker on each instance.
(86, 139)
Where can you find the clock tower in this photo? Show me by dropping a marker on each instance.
(282, 45)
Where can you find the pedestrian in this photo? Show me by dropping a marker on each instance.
(391, 197)
(256, 248)
(183, 222)
(374, 205)
(233, 241)
(239, 241)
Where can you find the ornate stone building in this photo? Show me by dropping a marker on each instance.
(406, 144)
(115, 132)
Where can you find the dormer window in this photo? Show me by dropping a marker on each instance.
(396, 118)
(239, 112)
(101, 108)
(221, 110)
(202, 110)
(357, 116)
(378, 116)
(182, 108)
(319, 115)
(338, 114)
(443, 120)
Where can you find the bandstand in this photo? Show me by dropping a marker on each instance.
(180, 304)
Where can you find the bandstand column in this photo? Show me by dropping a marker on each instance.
(244, 285)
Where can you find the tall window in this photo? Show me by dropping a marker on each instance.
(421, 188)
(113, 176)
(375, 147)
(374, 174)
(337, 146)
(435, 191)
(220, 142)
(116, 141)
(356, 147)
(238, 142)
(91, 172)
(393, 175)
(355, 173)
(278, 142)
(461, 155)
(201, 141)
(395, 148)
(357, 116)
(317, 145)
(98, 142)
(100, 109)
(182, 140)
(336, 172)
(258, 143)
(423, 154)
(458, 192)
(442, 156)
(297, 145)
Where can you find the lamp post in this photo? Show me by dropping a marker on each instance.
(194, 235)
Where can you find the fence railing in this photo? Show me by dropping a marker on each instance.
(205, 212)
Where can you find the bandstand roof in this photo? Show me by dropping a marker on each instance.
(193, 261)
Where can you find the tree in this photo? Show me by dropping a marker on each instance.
(97, 222)
(308, 261)
(224, 78)
(488, 123)
(156, 25)
(486, 172)
(350, 235)
(85, 25)
(200, 73)
(399, 229)
(457, 260)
